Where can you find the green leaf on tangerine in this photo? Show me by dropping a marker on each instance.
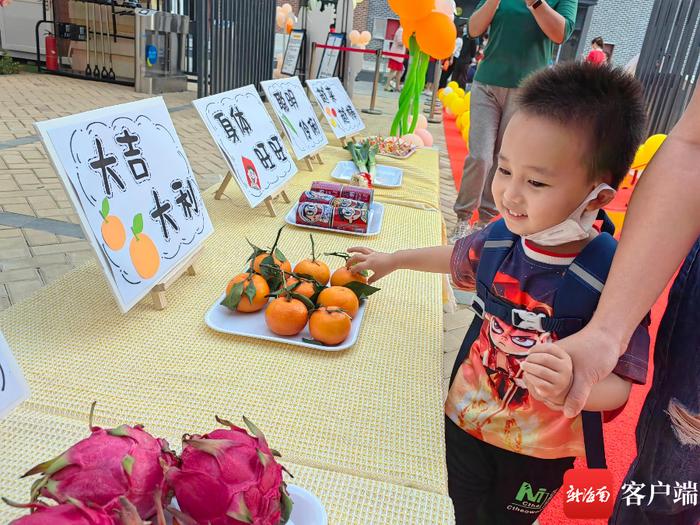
(361, 290)
(250, 291)
(234, 298)
(307, 302)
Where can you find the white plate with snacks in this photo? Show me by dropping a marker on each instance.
(224, 320)
(386, 176)
(376, 215)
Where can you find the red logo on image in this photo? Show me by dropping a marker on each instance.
(588, 493)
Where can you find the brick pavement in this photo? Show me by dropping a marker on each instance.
(31, 257)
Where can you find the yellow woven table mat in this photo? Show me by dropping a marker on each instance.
(421, 176)
(374, 410)
(30, 437)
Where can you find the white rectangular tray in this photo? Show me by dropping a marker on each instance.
(376, 214)
(222, 319)
(386, 177)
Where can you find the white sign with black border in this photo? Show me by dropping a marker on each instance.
(296, 114)
(134, 190)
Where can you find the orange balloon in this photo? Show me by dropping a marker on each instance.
(436, 35)
(290, 26)
(412, 9)
(409, 27)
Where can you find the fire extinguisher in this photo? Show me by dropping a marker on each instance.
(51, 52)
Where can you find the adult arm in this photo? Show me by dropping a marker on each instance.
(480, 21)
(662, 223)
(557, 23)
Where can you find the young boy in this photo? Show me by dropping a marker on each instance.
(570, 143)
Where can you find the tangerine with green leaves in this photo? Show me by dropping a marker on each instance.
(330, 326)
(313, 268)
(251, 299)
(317, 270)
(343, 276)
(306, 288)
(340, 297)
(285, 266)
(286, 316)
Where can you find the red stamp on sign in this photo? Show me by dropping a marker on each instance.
(588, 493)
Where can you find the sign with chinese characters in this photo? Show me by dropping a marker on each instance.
(329, 57)
(297, 115)
(338, 109)
(243, 129)
(13, 387)
(133, 188)
(292, 52)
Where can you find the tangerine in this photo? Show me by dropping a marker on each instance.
(113, 232)
(343, 276)
(330, 326)
(144, 256)
(261, 292)
(341, 297)
(286, 266)
(317, 270)
(306, 288)
(286, 316)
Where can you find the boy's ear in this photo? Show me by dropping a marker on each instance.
(604, 198)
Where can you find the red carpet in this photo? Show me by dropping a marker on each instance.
(456, 148)
(619, 434)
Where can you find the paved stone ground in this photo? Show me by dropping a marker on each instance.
(39, 236)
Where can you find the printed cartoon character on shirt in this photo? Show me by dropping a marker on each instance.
(489, 398)
(507, 346)
(251, 174)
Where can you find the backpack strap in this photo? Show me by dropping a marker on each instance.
(580, 288)
(578, 297)
(608, 225)
(497, 246)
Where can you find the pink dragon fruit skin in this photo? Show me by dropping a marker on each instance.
(76, 513)
(65, 514)
(228, 477)
(124, 461)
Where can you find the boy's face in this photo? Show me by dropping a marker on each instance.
(541, 176)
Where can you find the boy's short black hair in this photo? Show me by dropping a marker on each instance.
(598, 41)
(606, 103)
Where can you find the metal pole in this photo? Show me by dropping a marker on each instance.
(311, 66)
(372, 110)
(435, 117)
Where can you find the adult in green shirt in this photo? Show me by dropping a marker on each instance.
(521, 40)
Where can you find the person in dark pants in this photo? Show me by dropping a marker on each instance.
(662, 227)
(448, 71)
(464, 60)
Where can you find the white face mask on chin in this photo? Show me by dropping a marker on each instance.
(575, 227)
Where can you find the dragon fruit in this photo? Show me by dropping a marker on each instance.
(228, 477)
(76, 513)
(123, 461)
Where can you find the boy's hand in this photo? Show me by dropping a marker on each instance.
(379, 263)
(548, 373)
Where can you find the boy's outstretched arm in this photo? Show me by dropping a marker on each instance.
(435, 259)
